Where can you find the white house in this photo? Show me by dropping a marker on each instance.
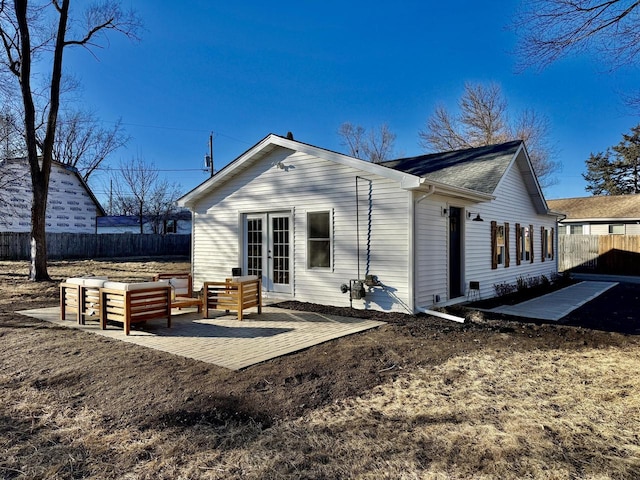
(598, 215)
(403, 235)
(71, 206)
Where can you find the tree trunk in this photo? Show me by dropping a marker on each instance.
(38, 269)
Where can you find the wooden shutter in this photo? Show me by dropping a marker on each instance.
(543, 242)
(506, 245)
(494, 243)
(518, 244)
(552, 245)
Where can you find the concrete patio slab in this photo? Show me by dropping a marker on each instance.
(223, 340)
(553, 306)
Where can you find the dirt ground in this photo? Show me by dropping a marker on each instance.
(127, 386)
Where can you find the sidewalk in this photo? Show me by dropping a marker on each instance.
(554, 306)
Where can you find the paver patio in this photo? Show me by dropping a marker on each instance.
(223, 340)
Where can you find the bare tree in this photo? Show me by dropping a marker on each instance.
(483, 120)
(375, 146)
(139, 191)
(28, 40)
(551, 29)
(82, 143)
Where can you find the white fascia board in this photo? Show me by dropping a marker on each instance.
(406, 181)
(600, 220)
(191, 197)
(532, 184)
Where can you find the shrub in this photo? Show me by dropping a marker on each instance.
(503, 289)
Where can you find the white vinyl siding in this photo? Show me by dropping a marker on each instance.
(309, 184)
(431, 246)
(512, 205)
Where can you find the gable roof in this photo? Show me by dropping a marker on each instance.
(478, 169)
(63, 166)
(472, 173)
(602, 207)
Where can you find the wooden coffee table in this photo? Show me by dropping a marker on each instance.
(186, 302)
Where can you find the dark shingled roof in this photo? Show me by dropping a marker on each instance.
(478, 169)
(609, 206)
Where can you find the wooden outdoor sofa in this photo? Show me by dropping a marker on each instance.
(131, 303)
(99, 299)
(234, 294)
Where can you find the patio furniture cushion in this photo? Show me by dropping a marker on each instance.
(87, 281)
(180, 285)
(127, 287)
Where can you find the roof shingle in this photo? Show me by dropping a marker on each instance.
(598, 207)
(478, 169)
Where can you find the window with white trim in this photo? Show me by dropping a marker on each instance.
(616, 229)
(319, 239)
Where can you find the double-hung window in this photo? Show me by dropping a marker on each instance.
(319, 239)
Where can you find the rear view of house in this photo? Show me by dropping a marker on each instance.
(318, 226)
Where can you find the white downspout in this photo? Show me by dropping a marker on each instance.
(425, 310)
(435, 313)
(412, 246)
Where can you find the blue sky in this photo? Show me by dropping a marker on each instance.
(245, 69)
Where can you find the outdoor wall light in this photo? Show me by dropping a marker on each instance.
(444, 212)
(477, 217)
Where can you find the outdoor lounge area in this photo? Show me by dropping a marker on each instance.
(129, 303)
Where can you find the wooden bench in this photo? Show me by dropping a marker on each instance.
(131, 303)
(81, 296)
(182, 286)
(234, 294)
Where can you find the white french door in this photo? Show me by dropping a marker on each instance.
(267, 249)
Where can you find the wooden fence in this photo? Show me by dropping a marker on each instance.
(607, 254)
(16, 246)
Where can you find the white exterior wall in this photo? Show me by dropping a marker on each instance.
(603, 228)
(310, 184)
(632, 229)
(512, 205)
(432, 246)
(70, 209)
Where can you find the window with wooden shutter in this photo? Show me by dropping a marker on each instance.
(499, 245)
(519, 248)
(531, 234)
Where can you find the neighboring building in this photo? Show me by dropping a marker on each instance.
(598, 215)
(308, 221)
(71, 206)
(178, 222)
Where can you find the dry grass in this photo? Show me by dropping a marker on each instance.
(499, 411)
